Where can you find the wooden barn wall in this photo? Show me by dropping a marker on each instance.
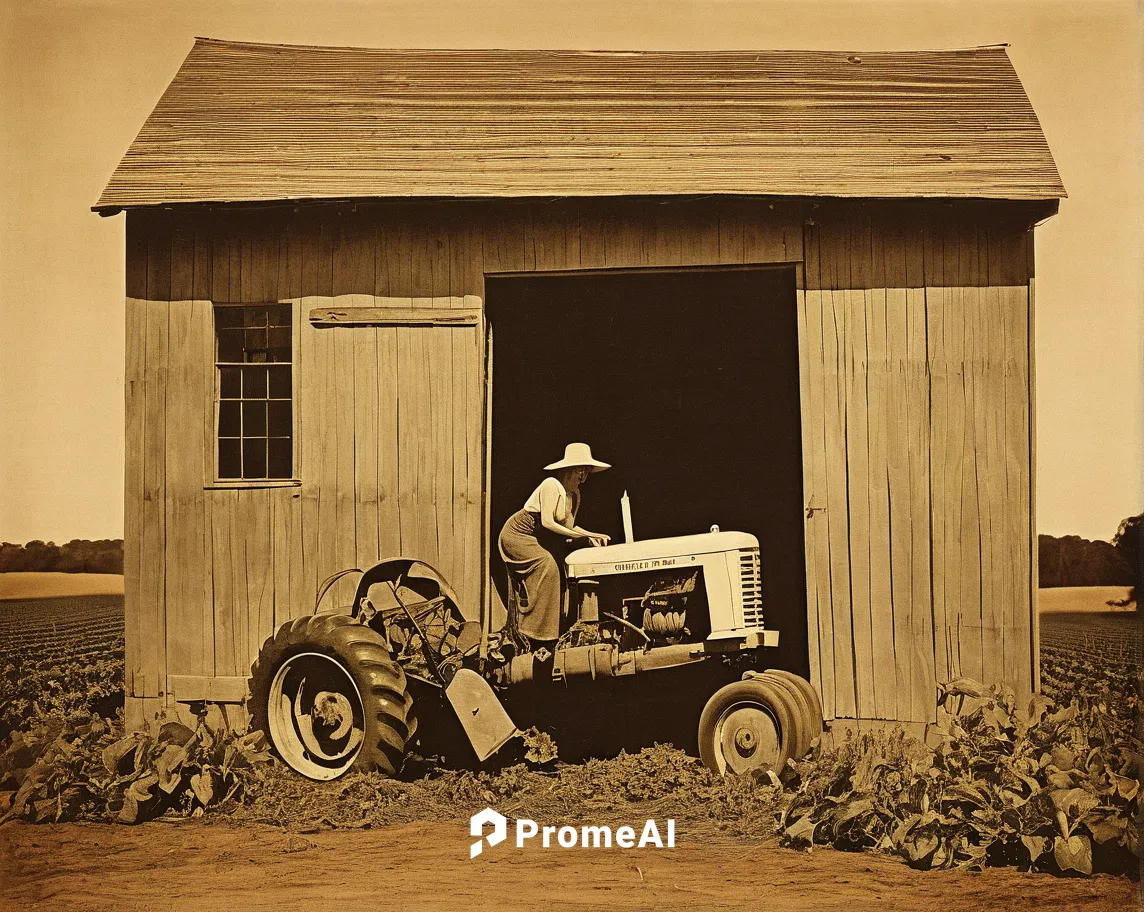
(917, 458)
(388, 420)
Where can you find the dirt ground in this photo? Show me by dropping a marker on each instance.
(425, 866)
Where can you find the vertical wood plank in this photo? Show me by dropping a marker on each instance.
(415, 491)
(820, 509)
(771, 235)
(923, 691)
(385, 340)
(883, 436)
(851, 274)
(290, 590)
(835, 411)
(593, 252)
(897, 425)
(134, 401)
(732, 232)
(184, 495)
(302, 253)
(699, 245)
(330, 536)
(1030, 485)
(942, 380)
(204, 357)
(972, 633)
(154, 570)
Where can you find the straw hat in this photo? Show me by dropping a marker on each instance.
(578, 454)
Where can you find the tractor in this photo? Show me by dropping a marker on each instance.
(661, 635)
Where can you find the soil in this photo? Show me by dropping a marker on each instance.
(191, 864)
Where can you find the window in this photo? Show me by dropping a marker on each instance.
(255, 391)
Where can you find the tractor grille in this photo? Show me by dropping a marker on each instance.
(751, 580)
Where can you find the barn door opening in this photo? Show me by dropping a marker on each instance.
(687, 382)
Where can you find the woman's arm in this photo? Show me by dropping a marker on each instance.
(550, 499)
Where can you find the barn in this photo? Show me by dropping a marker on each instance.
(370, 293)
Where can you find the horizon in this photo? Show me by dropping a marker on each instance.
(95, 69)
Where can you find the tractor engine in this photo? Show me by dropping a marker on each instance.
(659, 592)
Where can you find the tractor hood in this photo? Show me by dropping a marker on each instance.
(639, 555)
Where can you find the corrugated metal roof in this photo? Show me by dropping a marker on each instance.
(252, 122)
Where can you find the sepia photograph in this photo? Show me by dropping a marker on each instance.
(489, 455)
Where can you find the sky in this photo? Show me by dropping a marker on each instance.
(79, 77)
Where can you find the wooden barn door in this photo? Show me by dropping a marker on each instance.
(401, 440)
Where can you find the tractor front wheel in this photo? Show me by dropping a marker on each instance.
(330, 698)
(746, 729)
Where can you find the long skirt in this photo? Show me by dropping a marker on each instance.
(522, 545)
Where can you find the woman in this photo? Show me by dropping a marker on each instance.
(535, 534)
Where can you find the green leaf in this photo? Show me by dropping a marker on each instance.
(1038, 707)
(1073, 801)
(1035, 845)
(1063, 758)
(1061, 781)
(168, 766)
(203, 785)
(1109, 828)
(920, 849)
(129, 813)
(801, 831)
(140, 789)
(964, 687)
(1126, 788)
(903, 830)
(174, 733)
(1063, 715)
(1073, 854)
(116, 752)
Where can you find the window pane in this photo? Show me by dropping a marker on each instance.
(254, 383)
(228, 316)
(280, 382)
(229, 463)
(280, 425)
(230, 383)
(255, 341)
(280, 338)
(254, 316)
(230, 345)
(280, 315)
(253, 419)
(281, 458)
(228, 419)
(254, 457)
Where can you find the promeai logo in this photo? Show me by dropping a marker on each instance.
(568, 837)
(477, 828)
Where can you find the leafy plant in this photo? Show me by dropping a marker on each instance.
(1045, 788)
(95, 772)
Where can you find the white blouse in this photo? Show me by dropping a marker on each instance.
(551, 496)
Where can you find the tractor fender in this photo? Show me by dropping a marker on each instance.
(394, 569)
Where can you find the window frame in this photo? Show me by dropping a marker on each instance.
(266, 481)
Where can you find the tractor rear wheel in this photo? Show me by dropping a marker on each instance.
(330, 698)
(745, 729)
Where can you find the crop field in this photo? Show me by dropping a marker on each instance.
(64, 657)
(60, 657)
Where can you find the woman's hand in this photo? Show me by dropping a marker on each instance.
(599, 540)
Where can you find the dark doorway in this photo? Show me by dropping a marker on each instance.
(687, 382)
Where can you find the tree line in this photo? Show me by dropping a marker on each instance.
(1076, 561)
(76, 556)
